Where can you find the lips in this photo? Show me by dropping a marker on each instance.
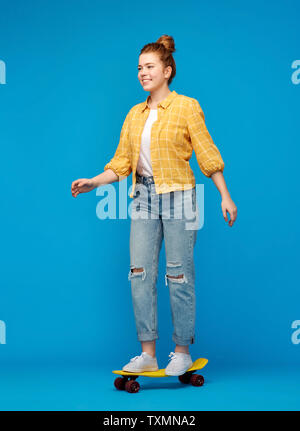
(146, 80)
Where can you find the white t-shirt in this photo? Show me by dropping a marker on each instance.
(144, 166)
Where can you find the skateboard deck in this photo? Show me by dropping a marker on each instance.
(131, 385)
(197, 365)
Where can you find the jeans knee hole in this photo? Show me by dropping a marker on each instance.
(176, 279)
(139, 272)
(173, 264)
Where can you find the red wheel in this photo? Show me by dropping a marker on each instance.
(197, 380)
(132, 386)
(120, 383)
(185, 378)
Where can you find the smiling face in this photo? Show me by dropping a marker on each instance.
(151, 72)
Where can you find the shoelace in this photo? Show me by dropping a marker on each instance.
(136, 357)
(172, 355)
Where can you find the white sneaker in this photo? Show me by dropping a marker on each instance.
(144, 362)
(179, 364)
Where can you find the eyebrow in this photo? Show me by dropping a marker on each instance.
(145, 64)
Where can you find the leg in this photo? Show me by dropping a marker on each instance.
(181, 349)
(149, 347)
(180, 277)
(145, 246)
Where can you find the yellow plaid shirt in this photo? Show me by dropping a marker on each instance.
(179, 129)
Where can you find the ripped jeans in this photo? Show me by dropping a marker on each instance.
(173, 217)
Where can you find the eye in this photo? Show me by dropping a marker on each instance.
(139, 68)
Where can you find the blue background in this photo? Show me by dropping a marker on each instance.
(71, 78)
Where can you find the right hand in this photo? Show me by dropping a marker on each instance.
(82, 185)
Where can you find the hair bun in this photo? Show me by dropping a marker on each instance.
(167, 41)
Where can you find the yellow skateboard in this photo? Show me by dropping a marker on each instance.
(128, 381)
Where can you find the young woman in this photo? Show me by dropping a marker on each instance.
(156, 142)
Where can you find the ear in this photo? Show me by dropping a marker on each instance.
(168, 71)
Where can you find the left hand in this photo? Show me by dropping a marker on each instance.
(228, 205)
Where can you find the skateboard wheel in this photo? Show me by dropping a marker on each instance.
(185, 378)
(197, 380)
(132, 386)
(120, 383)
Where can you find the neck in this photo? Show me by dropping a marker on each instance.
(157, 96)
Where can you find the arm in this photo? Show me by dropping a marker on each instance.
(85, 185)
(209, 158)
(107, 177)
(120, 164)
(118, 168)
(227, 203)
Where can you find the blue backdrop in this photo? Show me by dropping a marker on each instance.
(69, 77)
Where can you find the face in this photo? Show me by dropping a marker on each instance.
(151, 72)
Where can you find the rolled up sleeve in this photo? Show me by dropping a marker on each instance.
(207, 154)
(121, 163)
